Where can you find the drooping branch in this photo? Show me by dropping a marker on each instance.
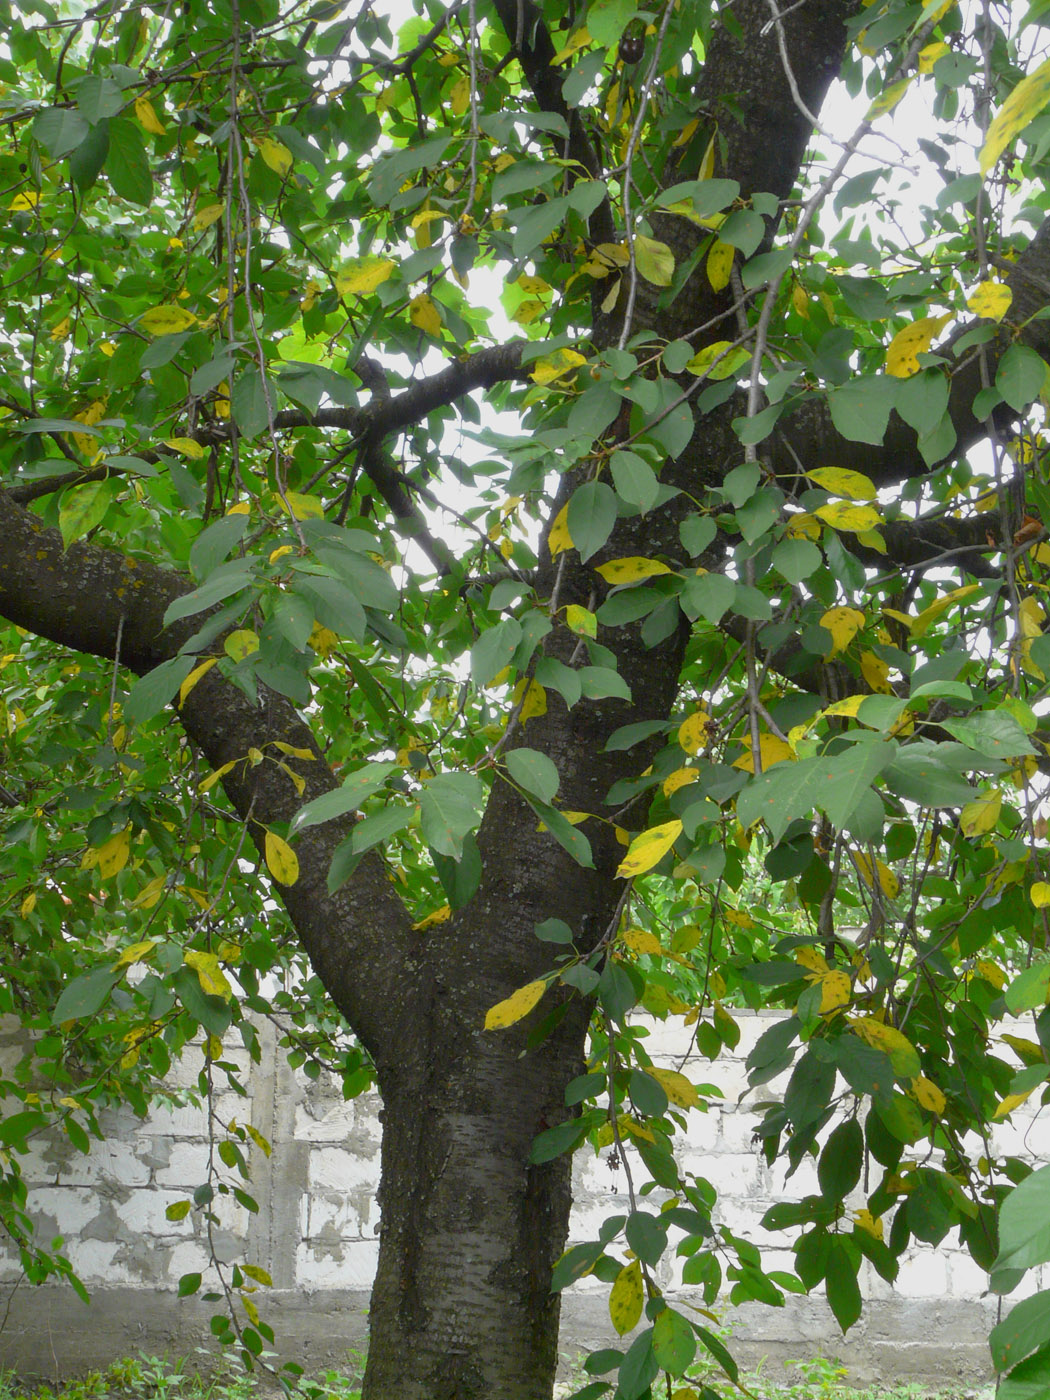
(357, 939)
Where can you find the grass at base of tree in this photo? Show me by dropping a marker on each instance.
(161, 1378)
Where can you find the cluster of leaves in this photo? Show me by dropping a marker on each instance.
(212, 217)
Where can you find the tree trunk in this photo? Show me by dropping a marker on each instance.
(461, 1307)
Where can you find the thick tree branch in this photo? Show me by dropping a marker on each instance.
(359, 940)
(809, 436)
(524, 26)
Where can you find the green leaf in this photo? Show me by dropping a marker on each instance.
(1024, 1225)
(841, 1161)
(1024, 1330)
(450, 804)
(355, 790)
(994, 733)
(188, 1284)
(533, 771)
(860, 408)
(85, 995)
(493, 650)
(674, 1342)
(82, 508)
(127, 163)
(843, 1289)
(249, 402)
(1029, 989)
(591, 516)
(152, 692)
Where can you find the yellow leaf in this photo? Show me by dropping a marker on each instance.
(535, 701)
(639, 940)
(692, 732)
(871, 1223)
(261, 1143)
(113, 856)
(905, 347)
(888, 98)
(844, 708)
(920, 624)
(927, 1094)
(530, 310)
(194, 676)
(680, 778)
(770, 750)
(814, 962)
(281, 860)
(187, 447)
(213, 778)
(559, 538)
(297, 781)
(150, 893)
(677, 1088)
(204, 218)
(1026, 101)
(276, 156)
(279, 552)
(28, 905)
(146, 114)
(888, 1039)
(876, 672)
(843, 624)
(990, 300)
(257, 1275)
(61, 330)
(1040, 894)
(301, 506)
(241, 643)
(654, 260)
(841, 516)
(1007, 1105)
(439, 916)
(551, 367)
(22, 203)
(981, 815)
(802, 526)
(519, 1004)
(323, 640)
(459, 97)
(167, 320)
(581, 620)
(1028, 1051)
(930, 54)
(840, 481)
(888, 882)
(648, 849)
(307, 755)
(135, 952)
(209, 973)
(993, 973)
(576, 41)
(720, 264)
(424, 314)
(718, 360)
(707, 165)
(364, 275)
(631, 569)
(533, 286)
(625, 1299)
(835, 988)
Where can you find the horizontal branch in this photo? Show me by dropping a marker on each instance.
(92, 600)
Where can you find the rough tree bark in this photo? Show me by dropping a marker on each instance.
(461, 1308)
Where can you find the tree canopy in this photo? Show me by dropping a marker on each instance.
(514, 514)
